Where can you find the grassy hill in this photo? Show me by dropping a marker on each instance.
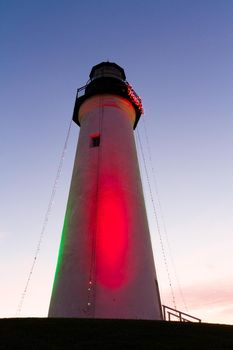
(44, 333)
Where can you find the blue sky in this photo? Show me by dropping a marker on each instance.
(178, 55)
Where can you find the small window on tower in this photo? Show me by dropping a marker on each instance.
(95, 140)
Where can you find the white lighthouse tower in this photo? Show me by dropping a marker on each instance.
(105, 266)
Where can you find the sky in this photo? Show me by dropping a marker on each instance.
(178, 55)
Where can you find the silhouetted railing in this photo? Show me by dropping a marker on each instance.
(170, 314)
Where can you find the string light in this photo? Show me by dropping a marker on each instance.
(45, 223)
(134, 97)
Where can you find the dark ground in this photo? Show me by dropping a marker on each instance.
(44, 333)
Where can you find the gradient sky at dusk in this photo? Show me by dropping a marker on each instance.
(178, 55)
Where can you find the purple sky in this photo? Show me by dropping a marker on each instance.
(178, 55)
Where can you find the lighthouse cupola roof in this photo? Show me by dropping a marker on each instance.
(107, 69)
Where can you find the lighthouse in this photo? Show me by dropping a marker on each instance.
(105, 266)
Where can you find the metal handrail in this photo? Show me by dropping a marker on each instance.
(168, 312)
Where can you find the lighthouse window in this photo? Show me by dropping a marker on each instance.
(95, 141)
